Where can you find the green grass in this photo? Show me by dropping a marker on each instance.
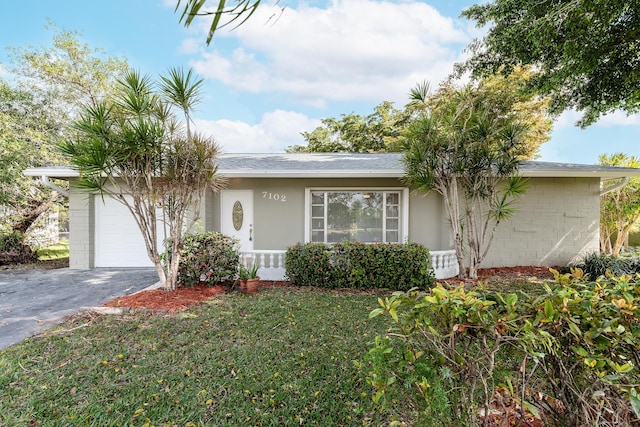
(59, 251)
(281, 357)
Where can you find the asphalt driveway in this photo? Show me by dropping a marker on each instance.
(32, 301)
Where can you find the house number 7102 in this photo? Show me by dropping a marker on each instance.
(274, 196)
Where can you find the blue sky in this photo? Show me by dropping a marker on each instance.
(271, 79)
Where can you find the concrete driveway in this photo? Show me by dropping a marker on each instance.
(32, 301)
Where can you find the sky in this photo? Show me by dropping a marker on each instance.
(294, 63)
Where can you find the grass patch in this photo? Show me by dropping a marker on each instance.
(54, 252)
(282, 357)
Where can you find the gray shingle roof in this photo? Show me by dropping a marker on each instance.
(325, 165)
(379, 164)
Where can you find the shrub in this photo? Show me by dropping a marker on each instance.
(569, 356)
(359, 265)
(14, 250)
(208, 258)
(595, 265)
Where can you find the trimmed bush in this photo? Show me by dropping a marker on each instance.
(209, 258)
(359, 265)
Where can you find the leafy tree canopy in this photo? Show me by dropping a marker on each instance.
(501, 96)
(352, 133)
(37, 106)
(586, 53)
(620, 207)
(78, 74)
(30, 128)
(384, 129)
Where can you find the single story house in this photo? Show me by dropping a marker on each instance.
(276, 200)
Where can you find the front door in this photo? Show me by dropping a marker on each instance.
(237, 216)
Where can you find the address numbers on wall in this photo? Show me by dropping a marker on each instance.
(274, 196)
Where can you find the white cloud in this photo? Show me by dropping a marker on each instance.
(351, 50)
(618, 118)
(276, 131)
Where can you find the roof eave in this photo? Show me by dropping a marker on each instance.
(310, 173)
(54, 172)
(603, 175)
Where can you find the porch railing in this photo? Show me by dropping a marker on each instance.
(444, 263)
(271, 263)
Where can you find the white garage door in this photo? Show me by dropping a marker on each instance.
(119, 242)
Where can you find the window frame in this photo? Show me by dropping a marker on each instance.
(403, 216)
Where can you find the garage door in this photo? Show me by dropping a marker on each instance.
(119, 242)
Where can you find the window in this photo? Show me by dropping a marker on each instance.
(362, 216)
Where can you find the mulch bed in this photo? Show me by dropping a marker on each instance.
(181, 298)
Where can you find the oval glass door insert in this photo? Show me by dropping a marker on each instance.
(237, 215)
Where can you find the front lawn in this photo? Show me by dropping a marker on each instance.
(281, 357)
(53, 252)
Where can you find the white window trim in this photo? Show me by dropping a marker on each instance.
(404, 206)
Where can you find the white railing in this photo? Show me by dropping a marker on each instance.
(444, 263)
(271, 263)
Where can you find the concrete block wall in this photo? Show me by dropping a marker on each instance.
(81, 229)
(557, 223)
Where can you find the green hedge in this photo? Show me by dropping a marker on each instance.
(209, 258)
(359, 265)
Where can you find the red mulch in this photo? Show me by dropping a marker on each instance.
(182, 298)
(520, 271)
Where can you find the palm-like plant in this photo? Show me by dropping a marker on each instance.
(134, 148)
(460, 149)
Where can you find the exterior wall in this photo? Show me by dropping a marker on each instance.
(279, 224)
(557, 223)
(81, 229)
(428, 222)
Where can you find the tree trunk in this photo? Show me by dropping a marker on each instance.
(449, 191)
(36, 208)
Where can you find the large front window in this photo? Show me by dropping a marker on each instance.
(359, 216)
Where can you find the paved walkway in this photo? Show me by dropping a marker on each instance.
(32, 301)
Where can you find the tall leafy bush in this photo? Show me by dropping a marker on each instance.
(207, 258)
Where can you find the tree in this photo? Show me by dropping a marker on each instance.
(377, 132)
(35, 111)
(619, 208)
(585, 53)
(384, 129)
(29, 129)
(132, 147)
(503, 98)
(77, 74)
(461, 149)
(240, 12)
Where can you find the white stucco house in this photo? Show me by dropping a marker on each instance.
(276, 200)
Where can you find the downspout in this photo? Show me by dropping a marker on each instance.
(45, 181)
(614, 186)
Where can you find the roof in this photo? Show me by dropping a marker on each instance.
(349, 165)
